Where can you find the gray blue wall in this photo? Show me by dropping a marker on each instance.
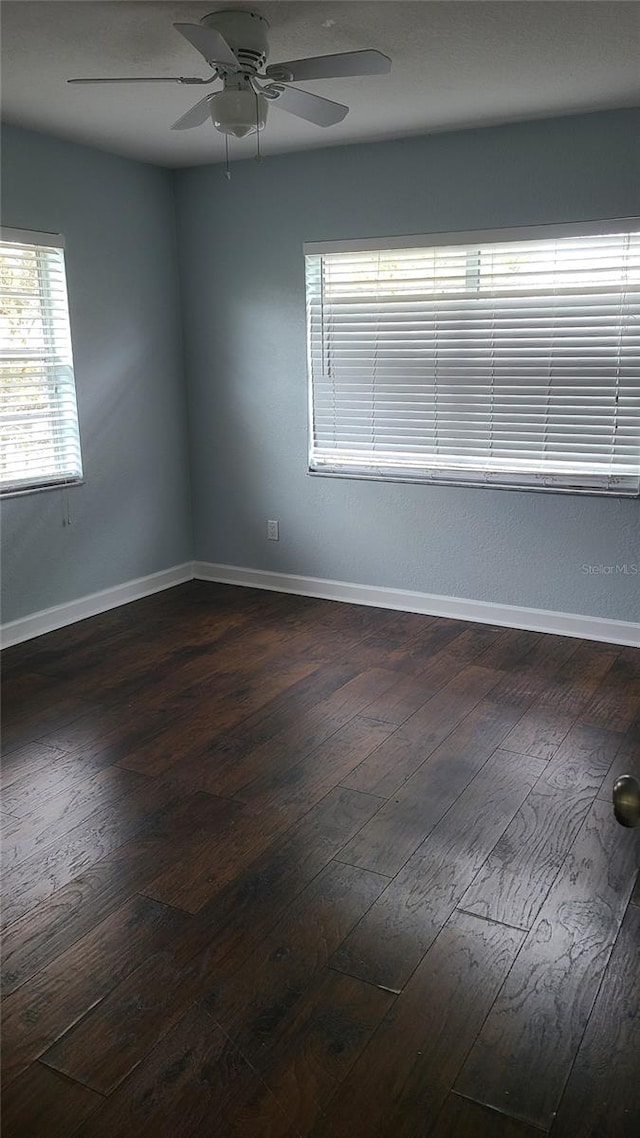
(242, 273)
(133, 515)
(242, 288)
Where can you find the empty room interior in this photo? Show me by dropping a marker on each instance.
(320, 488)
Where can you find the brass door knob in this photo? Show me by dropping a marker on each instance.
(626, 800)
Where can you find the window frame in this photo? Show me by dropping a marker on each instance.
(507, 234)
(39, 239)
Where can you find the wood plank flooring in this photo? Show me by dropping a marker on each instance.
(277, 867)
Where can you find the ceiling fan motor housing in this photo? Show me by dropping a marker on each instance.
(246, 33)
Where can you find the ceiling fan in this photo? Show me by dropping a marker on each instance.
(234, 44)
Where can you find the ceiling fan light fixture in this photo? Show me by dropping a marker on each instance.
(238, 112)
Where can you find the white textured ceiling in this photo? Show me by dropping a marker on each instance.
(455, 63)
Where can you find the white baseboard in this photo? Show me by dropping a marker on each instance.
(406, 600)
(459, 608)
(47, 620)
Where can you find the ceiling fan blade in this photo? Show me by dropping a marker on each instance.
(144, 79)
(313, 108)
(195, 117)
(347, 63)
(209, 43)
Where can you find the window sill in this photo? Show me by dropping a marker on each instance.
(24, 490)
(475, 483)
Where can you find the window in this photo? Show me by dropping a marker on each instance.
(507, 358)
(40, 440)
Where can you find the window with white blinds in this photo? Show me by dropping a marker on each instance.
(510, 358)
(39, 435)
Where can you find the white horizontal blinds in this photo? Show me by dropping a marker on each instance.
(510, 362)
(40, 442)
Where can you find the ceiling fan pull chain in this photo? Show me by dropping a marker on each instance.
(227, 171)
(258, 132)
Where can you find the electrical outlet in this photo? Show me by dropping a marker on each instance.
(273, 531)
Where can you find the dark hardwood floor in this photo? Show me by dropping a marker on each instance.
(279, 867)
